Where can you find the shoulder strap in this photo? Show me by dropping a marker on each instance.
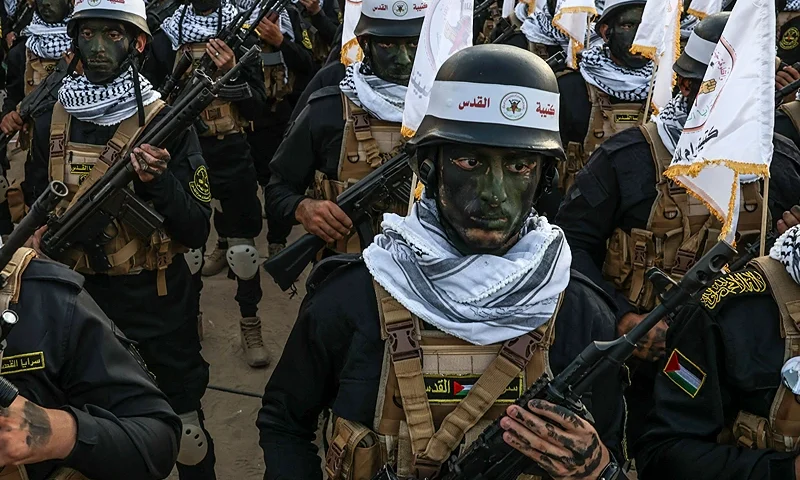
(792, 110)
(431, 448)
(661, 156)
(59, 127)
(11, 276)
(786, 293)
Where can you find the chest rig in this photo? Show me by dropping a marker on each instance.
(36, 70)
(80, 166)
(278, 80)
(9, 295)
(435, 391)
(366, 144)
(605, 119)
(679, 230)
(781, 431)
(220, 116)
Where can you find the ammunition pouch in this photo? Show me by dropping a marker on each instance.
(605, 120)
(278, 80)
(234, 93)
(781, 431)
(36, 70)
(679, 230)
(355, 452)
(16, 203)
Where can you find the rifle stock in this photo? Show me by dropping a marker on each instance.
(490, 458)
(392, 180)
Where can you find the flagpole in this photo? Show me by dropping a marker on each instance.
(650, 91)
(413, 189)
(764, 212)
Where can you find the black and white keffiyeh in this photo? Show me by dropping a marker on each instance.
(482, 299)
(787, 251)
(382, 99)
(186, 26)
(627, 84)
(285, 20)
(11, 7)
(687, 25)
(46, 40)
(538, 27)
(792, 6)
(107, 104)
(670, 121)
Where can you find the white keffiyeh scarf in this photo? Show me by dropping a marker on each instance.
(687, 25)
(482, 299)
(107, 104)
(11, 7)
(787, 251)
(792, 6)
(538, 27)
(185, 26)
(383, 100)
(46, 40)
(627, 84)
(670, 121)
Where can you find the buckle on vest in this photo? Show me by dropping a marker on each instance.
(402, 343)
(675, 189)
(334, 459)
(520, 350)
(57, 145)
(425, 467)
(212, 114)
(360, 122)
(683, 262)
(640, 254)
(111, 152)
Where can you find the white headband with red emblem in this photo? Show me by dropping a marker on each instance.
(394, 9)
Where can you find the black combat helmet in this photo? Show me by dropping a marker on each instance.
(391, 18)
(693, 62)
(493, 95)
(613, 7)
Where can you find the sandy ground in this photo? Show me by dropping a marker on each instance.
(231, 418)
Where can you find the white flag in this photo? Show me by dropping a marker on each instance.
(447, 28)
(508, 8)
(658, 38)
(572, 18)
(351, 50)
(702, 8)
(727, 138)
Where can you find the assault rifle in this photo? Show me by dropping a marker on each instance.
(234, 35)
(490, 458)
(109, 199)
(21, 18)
(361, 202)
(44, 96)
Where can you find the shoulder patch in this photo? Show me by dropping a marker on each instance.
(307, 40)
(200, 186)
(684, 373)
(325, 92)
(24, 362)
(743, 282)
(325, 268)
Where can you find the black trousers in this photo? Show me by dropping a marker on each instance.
(264, 143)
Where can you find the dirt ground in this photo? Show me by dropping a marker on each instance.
(231, 418)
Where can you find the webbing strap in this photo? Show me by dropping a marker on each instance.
(661, 156)
(786, 293)
(12, 274)
(58, 141)
(792, 110)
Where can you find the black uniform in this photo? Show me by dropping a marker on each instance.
(162, 325)
(738, 346)
(270, 124)
(328, 76)
(15, 86)
(230, 167)
(126, 428)
(313, 142)
(785, 127)
(334, 355)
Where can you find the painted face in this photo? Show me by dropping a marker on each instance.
(392, 58)
(621, 33)
(52, 11)
(205, 6)
(103, 46)
(485, 194)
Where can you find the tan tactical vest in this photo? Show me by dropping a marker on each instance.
(278, 80)
(79, 166)
(36, 70)
(781, 431)
(792, 110)
(605, 120)
(366, 144)
(425, 408)
(679, 230)
(9, 294)
(221, 116)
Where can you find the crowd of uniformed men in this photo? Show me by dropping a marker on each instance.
(530, 239)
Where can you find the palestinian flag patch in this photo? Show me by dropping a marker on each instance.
(684, 373)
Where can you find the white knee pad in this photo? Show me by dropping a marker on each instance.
(194, 444)
(194, 258)
(242, 257)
